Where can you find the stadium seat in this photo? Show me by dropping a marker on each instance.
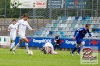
(54, 25)
(62, 25)
(72, 25)
(83, 18)
(50, 32)
(76, 18)
(65, 27)
(87, 18)
(61, 33)
(76, 26)
(52, 29)
(69, 18)
(80, 18)
(60, 21)
(73, 18)
(59, 28)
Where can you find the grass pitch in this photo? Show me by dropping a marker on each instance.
(21, 58)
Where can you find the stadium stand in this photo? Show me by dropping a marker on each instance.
(65, 27)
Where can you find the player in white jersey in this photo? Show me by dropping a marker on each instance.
(13, 31)
(22, 25)
(49, 49)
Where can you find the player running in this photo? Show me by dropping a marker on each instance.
(48, 48)
(22, 25)
(13, 31)
(78, 36)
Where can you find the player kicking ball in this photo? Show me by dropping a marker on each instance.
(22, 25)
(48, 48)
(78, 36)
(13, 31)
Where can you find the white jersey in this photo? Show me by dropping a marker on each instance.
(13, 29)
(22, 27)
(49, 45)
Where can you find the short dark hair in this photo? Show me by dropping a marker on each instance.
(13, 20)
(87, 25)
(25, 15)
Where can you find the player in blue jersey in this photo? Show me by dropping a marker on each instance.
(78, 36)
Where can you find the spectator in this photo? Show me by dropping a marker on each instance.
(56, 41)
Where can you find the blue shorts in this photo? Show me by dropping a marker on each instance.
(78, 40)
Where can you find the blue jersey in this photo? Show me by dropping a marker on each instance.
(80, 33)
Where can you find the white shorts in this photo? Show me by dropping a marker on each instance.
(12, 37)
(21, 37)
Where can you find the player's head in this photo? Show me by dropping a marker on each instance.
(25, 17)
(13, 21)
(87, 26)
(57, 35)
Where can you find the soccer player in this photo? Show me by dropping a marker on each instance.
(13, 31)
(49, 49)
(22, 25)
(78, 36)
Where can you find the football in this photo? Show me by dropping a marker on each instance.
(30, 52)
(15, 4)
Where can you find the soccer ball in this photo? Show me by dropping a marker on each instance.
(15, 4)
(30, 52)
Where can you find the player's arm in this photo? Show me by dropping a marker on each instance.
(77, 31)
(89, 33)
(18, 23)
(17, 30)
(9, 28)
(29, 27)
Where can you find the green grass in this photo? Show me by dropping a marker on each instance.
(21, 58)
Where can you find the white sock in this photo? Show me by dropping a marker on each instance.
(11, 45)
(16, 46)
(27, 49)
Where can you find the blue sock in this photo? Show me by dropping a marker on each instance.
(74, 50)
(79, 48)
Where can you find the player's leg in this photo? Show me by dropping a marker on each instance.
(53, 52)
(12, 45)
(13, 42)
(26, 44)
(82, 44)
(20, 42)
(48, 50)
(76, 47)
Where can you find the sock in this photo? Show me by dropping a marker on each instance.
(27, 49)
(74, 50)
(16, 46)
(79, 48)
(11, 46)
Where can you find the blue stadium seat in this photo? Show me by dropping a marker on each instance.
(87, 18)
(50, 32)
(59, 28)
(52, 29)
(76, 18)
(61, 33)
(83, 18)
